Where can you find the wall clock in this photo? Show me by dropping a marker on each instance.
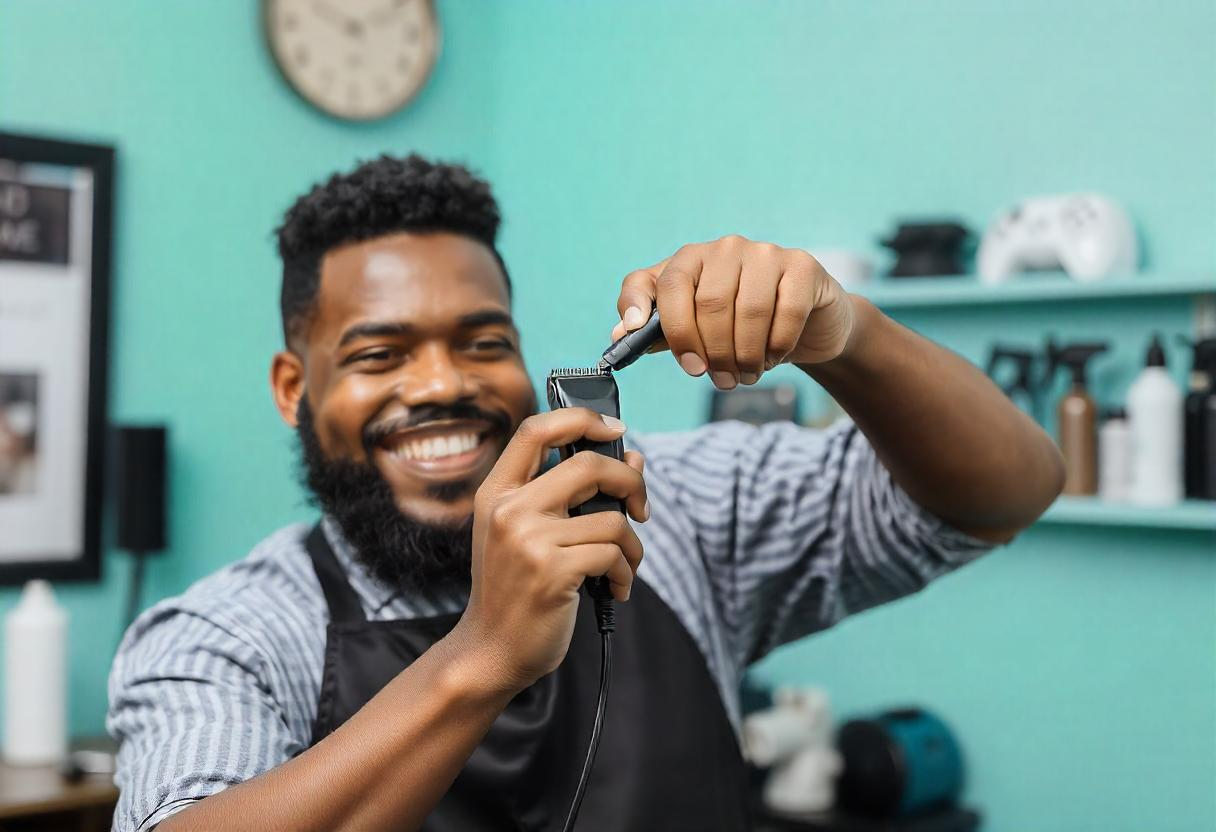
(357, 60)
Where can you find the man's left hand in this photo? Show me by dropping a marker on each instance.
(737, 308)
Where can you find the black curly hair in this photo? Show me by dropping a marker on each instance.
(381, 196)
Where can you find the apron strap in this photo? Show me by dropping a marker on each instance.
(344, 605)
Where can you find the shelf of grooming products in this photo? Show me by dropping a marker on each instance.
(1149, 461)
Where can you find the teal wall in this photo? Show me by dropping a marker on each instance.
(1078, 665)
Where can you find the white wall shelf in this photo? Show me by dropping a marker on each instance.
(1190, 515)
(967, 290)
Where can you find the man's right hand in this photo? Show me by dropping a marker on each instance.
(530, 557)
(388, 765)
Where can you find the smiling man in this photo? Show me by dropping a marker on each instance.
(420, 658)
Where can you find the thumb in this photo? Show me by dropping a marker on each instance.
(636, 300)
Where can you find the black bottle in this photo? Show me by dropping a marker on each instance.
(1199, 432)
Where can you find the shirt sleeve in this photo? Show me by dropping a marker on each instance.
(798, 528)
(192, 714)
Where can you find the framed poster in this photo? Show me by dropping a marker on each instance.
(55, 232)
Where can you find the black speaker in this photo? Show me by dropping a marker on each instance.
(140, 465)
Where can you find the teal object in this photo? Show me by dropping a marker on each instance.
(932, 757)
(899, 764)
(616, 132)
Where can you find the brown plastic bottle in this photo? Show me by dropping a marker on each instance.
(1078, 420)
(1077, 417)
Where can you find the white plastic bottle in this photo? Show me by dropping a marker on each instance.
(1154, 410)
(1115, 458)
(35, 678)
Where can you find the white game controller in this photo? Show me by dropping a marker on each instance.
(1090, 236)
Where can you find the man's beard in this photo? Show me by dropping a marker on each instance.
(397, 549)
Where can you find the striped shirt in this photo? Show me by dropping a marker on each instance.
(758, 536)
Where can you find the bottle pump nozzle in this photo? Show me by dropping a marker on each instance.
(1022, 360)
(1073, 356)
(1018, 382)
(1203, 354)
(1155, 357)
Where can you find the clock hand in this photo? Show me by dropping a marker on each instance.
(348, 24)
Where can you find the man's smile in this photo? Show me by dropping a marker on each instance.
(440, 451)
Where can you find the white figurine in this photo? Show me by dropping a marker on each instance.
(795, 737)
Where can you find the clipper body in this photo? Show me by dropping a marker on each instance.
(593, 388)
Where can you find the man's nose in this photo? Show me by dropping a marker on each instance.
(434, 377)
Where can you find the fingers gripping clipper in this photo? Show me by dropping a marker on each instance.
(595, 388)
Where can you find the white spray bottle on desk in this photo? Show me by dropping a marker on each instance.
(1154, 413)
(35, 678)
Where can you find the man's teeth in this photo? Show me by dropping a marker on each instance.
(437, 447)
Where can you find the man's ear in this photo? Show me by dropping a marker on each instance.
(287, 384)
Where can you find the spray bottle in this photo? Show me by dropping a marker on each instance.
(1199, 433)
(1017, 383)
(1077, 417)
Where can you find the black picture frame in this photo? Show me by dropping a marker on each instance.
(99, 159)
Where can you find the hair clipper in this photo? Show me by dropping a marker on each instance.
(593, 388)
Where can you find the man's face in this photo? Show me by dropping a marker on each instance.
(412, 363)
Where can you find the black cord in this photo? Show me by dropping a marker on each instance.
(605, 675)
(136, 589)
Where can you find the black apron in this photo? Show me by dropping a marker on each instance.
(668, 758)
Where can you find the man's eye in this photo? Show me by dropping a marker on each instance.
(373, 356)
(491, 344)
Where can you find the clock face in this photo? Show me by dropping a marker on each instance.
(354, 59)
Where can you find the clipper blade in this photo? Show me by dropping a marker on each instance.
(594, 389)
(601, 369)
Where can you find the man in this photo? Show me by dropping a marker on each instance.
(421, 659)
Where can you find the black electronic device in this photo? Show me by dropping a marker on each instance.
(755, 405)
(594, 388)
(899, 764)
(141, 498)
(929, 249)
(140, 479)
